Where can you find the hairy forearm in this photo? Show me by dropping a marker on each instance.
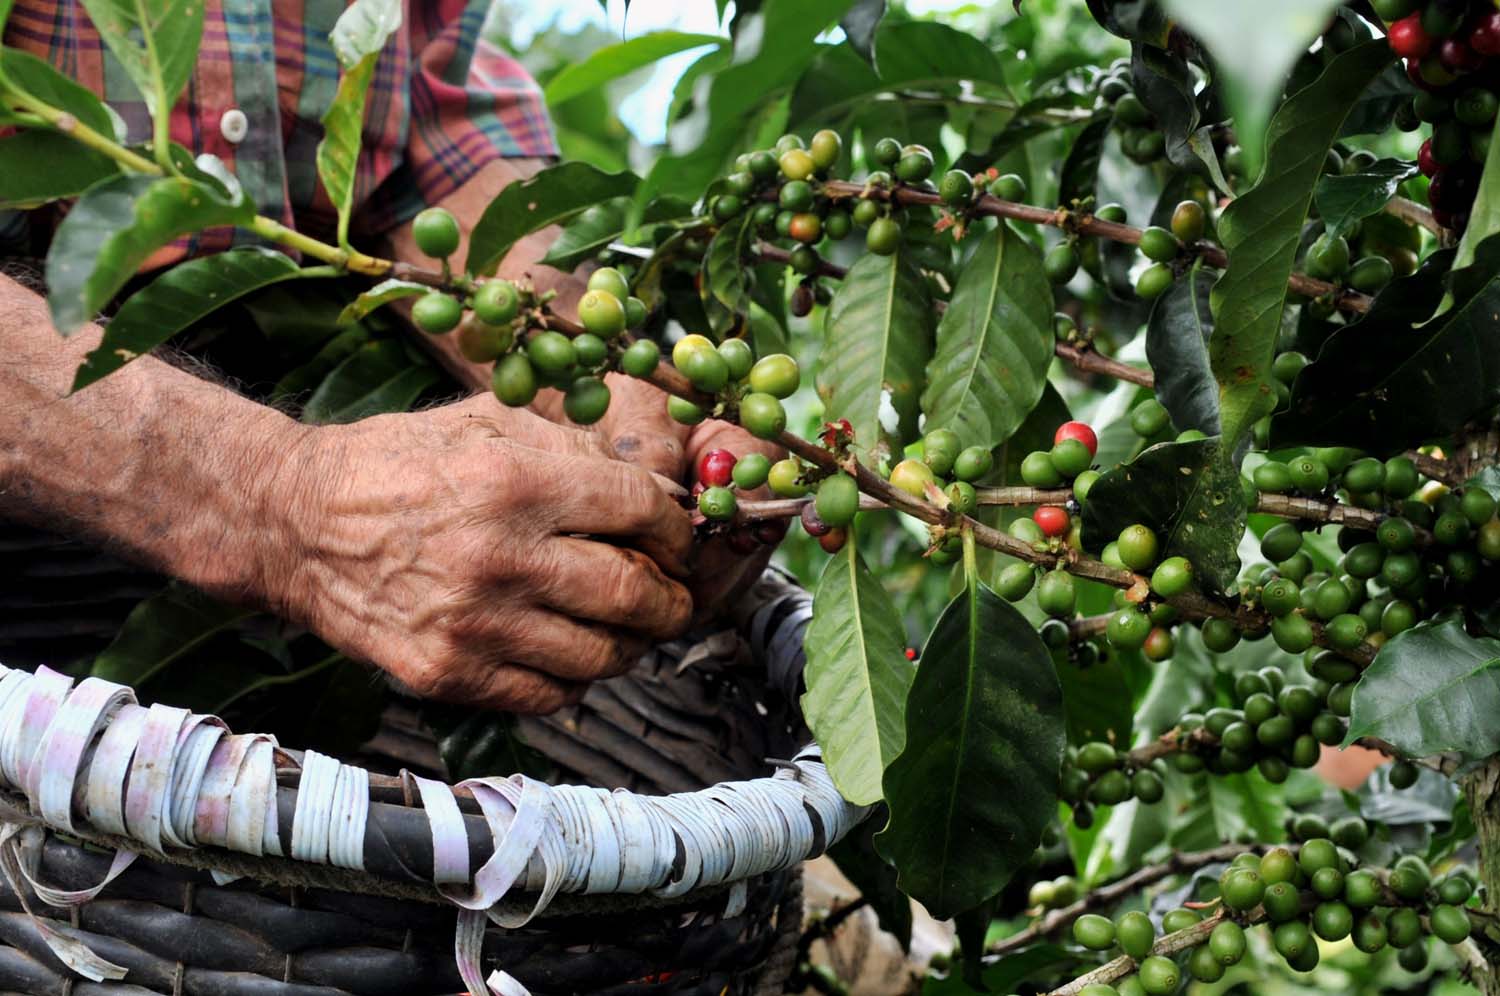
(173, 472)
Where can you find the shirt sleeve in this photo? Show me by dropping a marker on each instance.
(470, 103)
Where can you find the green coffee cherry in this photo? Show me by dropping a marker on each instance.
(1094, 932)
(1159, 245)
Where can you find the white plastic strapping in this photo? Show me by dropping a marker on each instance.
(170, 779)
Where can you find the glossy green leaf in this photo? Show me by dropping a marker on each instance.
(155, 42)
(984, 712)
(1188, 494)
(383, 293)
(909, 52)
(162, 630)
(772, 46)
(1343, 200)
(1261, 228)
(358, 37)
(551, 196)
(994, 343)
(177, 299)
(857, 676)
(877, 341)
(44, 166)
(1254, 46)
(1395, 379)
(1167, 85)
(114, 227)
(380, 377)
(299, 382)
(1432, 689)
(613, 61)
(26, 73)
(1177, 338)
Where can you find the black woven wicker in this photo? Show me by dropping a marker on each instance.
(691, 714)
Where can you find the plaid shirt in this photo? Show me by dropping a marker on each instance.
(444, 102)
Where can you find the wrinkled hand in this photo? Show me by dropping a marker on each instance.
(640, 431)
(484, 555)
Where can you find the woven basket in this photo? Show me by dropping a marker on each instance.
(694, 713)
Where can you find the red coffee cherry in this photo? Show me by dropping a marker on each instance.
(1053, 519)
(1080, 431)
(715, 468)
(1408, 39)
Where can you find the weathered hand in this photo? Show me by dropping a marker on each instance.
(483, 556)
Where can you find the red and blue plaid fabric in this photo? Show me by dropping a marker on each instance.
(444, 102)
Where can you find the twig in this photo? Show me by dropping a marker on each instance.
(1107, 895)
(826, 925)
(1087, 224)
(1413, 214)
(1437, 468)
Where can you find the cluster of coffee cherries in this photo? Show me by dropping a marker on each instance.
(1141, 138)
(505, 328)
(1430, 544)
(1314, 894)
(1096, 774)
(781, 188)
(1449, 47)
(720, 472)
(730, 371)
(1274, 726)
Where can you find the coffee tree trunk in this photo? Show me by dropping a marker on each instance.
(1482, 789)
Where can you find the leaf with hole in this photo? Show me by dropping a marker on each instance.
(876, 344)
(994, 343)
(1431, 690)
(985, 710)
(1188, 494)
(178, 298)
(114, 227)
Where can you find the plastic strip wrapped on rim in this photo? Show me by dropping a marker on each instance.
(166, 779)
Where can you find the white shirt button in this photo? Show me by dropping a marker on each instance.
(233, 125)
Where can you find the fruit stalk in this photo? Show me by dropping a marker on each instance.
(1087, 224)
(1106, 895)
